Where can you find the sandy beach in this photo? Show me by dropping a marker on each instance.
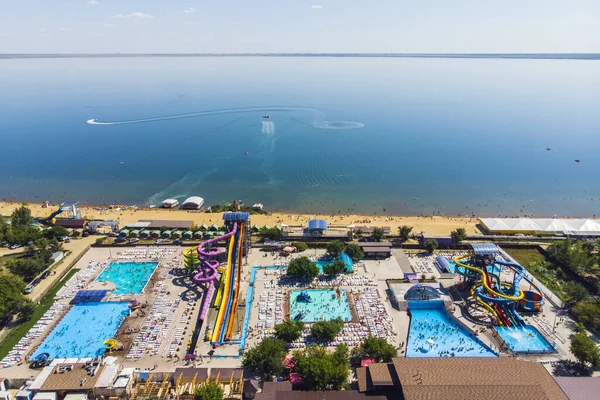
(430, 225)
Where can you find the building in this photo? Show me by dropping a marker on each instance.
(59, 380)
(579, 388)
(443, 240)
(170, 203)
(103, 227)
(577, 227)
(459, 379)
(283, 391)
(316, 227)
(193, 203)
(71, 223)
(157, 224)
(376, 249)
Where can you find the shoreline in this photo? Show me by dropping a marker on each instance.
(432, 225)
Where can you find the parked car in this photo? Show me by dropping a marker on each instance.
(45, 274)
(177, 241)
(120, 240)
(113, 234)
(35, 282)
(28, 289)
(86, 234)
(68, 240)
(133, 240)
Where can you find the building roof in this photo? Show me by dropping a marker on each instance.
(542, 225)
(579, 388)
(381, 374)
(484, 248)
(376, 249)
(236, 216)
(484, 378)
(193, 201)
(71, 380)
(173, 224)
(188, 374)
(70, 223)
(317, 224)
(375, 244)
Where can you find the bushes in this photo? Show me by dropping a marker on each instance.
(271, 233)
(209, 391)
(300, 246)
(26, 268)
(354, 251)
(303, 269)
(321, 370)
(377, 348)
(266, 357)
(335, 268)
(588, 313)
(431, 245)
(327, 330)
(585, 350)
(289, 331)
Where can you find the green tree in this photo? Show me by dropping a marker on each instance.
(404, 231)
(55, 232)
(354, 251)
(21, 217)
(574, 292)
(572, 255)
(11, 296)
(271, 233)
(302, 268)
(588, 313)
(378, 234)
(300, 246)
(289, 331)
(335, 247)
(266, 357)
(26, 309)
(27, 268)
(431, 245)
(458, 235)
(377, 348)
(327, 330)
(209, 391)
(321, 370)
(335, 268)
(585, 350)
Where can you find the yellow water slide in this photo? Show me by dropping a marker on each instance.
(225, 296)
(485, 305)
(489, 289)
(236, 289)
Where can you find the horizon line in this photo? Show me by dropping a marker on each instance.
(575, 56)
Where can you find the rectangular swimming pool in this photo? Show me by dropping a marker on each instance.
(321, 305)
(128, 277)
(83, 330)
(434, 333)
(524, 339)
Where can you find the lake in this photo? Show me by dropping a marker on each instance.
(362, 135)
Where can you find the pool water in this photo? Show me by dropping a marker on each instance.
(324, 305)
(494, 270)
(342, 257)
(83, 330)
(128, 277)
(524, 339)
(433, 333)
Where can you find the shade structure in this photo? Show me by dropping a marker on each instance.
(484, 248)
(145, 233)
(317, 224)
(187, 234)
(204, 226)
(166, 234)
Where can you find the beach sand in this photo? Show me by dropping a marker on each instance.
(430, 225)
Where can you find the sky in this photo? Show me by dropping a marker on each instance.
(423, 26)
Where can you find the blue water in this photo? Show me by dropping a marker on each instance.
(432, 323)
(448, 135)
(324, 305)
(343, 257)
(83, 330)
(129, 277)
(524, 339)
(491, 269)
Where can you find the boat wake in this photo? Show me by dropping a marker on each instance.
(318, 122)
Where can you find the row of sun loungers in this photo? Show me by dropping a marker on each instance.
(15, 356)
(80, 279)
(154, 253)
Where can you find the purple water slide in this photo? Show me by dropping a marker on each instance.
(209, 273)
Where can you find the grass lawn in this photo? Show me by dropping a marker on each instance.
(525, 257)
(21, 330)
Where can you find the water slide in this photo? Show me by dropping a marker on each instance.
(207, 273)
(517, 293)
(216, 334)
(236, 291)
(51, 217)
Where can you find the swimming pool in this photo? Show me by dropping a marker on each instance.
(128, 277)
(452, 266)
(323, 305)
(83, 330)
(342, 257)
(524, 339)
(433, 333)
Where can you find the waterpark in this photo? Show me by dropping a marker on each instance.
(166, 307)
